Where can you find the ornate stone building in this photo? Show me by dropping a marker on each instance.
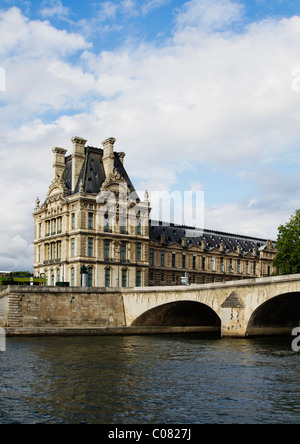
(207, 256)
(93, 218)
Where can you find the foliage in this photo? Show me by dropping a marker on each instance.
(22, 273)
(288, 246)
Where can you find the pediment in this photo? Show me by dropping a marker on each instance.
(114, 181)
(57, 189)
(54, 191)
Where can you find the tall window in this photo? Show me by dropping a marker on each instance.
(139, 251)
(213, 263)
(183, 260)
(73, 247)
(107, 277)
(59, 225)
(106, 223)
(222, 264)
(124, 278)
(58, 250)
(90, 247)
(48, 228)
(123, 225)
(162, 258)
(203, 262)
(53, 226)
(91, 221)
(52, 278)
(72, 277)
(138, 278)
(90, 277)
(106, 249)
(173, 260)
(73, 220)
(47, 252)
(123, 251)
(151, 254)
(54, 250)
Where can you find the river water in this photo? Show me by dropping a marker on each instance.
(164, 379)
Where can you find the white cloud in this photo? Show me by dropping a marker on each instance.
(204, 97)
(54, 8)
(209, 15)
(148, 5)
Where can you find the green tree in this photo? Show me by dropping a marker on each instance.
(288, 245)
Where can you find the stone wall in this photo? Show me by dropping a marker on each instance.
(50, 306)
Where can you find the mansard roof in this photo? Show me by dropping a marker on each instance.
(169, 234)
(92, 174)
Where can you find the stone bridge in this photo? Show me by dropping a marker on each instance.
(242, 308)
(264, 306)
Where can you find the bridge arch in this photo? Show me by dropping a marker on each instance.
(179, 314)
(278, 315)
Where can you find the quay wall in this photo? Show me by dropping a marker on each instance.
(35, 307)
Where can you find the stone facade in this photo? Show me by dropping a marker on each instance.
(93, 217)
(207, 256)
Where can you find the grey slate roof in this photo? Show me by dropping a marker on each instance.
(92, 174)
(171, 233)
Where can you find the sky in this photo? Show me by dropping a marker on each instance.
(201, 95)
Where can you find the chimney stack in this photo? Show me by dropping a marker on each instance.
(59, 164)
(78, 158)
(108, 156)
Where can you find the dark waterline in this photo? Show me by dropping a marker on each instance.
(167, 379)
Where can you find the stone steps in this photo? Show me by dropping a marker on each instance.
(14, 316)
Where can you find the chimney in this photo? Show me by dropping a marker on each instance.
(108, 156)
(78, 158)
(59, 164)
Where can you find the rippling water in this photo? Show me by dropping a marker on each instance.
(149, 380)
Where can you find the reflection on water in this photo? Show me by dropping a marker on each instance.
(149, 379)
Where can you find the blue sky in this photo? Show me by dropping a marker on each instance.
(200, 94)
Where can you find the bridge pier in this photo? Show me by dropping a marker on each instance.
(233, 322)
